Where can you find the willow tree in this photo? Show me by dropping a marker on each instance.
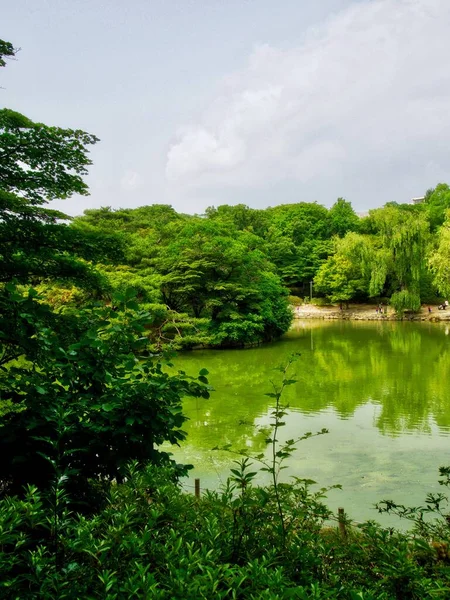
(401, 260)
(437, 203)
(439, 260)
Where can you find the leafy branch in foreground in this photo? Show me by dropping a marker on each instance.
(84, 394)
(151, 540)
(273, 462)
(436, 505)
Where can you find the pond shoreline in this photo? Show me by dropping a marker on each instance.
(367, 312)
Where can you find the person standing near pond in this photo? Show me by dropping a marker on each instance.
(429, 309)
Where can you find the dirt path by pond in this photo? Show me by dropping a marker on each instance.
(367, 312)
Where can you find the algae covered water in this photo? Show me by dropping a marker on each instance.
(381, 388)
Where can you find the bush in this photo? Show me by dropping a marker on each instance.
(86, 397)
(320, 302)
(295, 300)
(405, 300)
(151, 540)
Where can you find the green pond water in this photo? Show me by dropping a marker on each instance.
(381, 388)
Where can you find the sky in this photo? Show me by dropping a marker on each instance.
(199, 103)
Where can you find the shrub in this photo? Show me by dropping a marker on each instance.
(86, 397)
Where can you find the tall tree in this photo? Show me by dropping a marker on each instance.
(342, 218)
(213, 272)
(346, 274)
(298, 241)
(439, 260)
(38, 164)
(240, 217)
(404, 237)
(437, 203)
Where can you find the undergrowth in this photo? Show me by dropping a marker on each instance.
(149, 539)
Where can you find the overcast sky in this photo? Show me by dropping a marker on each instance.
(261, 102)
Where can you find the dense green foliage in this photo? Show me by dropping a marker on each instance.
(399, 254)
(346, 274)
(151, 540)
(211, 273)
(38, 164)
(85, 397)
(206, 281)
(439, 260)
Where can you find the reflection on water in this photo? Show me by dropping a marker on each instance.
(381, 388)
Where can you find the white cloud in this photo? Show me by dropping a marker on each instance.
(368, 89)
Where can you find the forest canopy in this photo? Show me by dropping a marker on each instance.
(216, 266)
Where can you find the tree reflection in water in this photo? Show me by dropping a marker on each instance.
(380, 387)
